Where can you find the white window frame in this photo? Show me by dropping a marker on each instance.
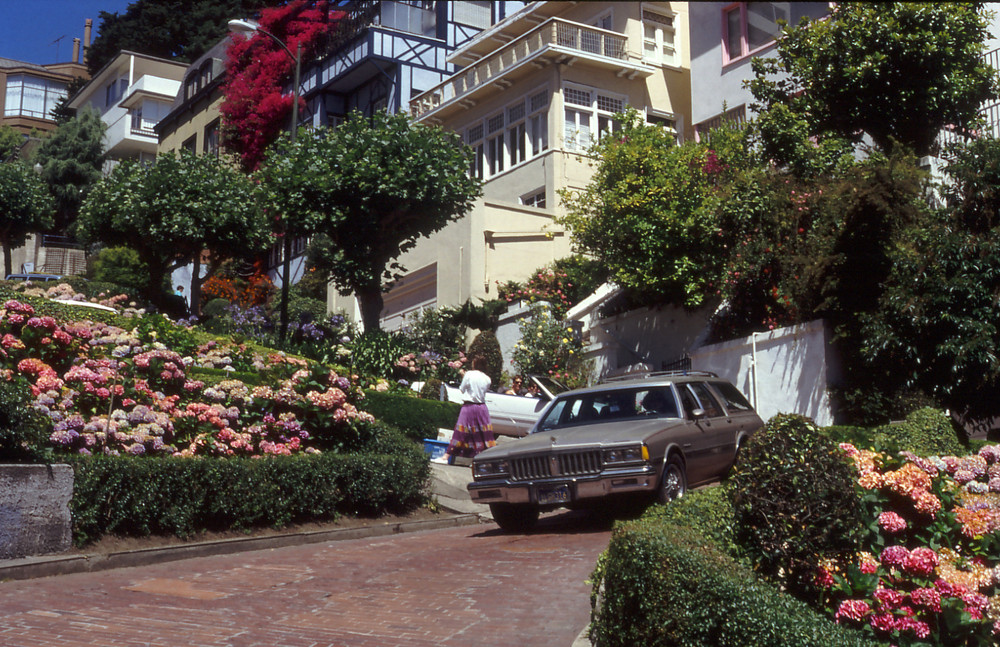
(534, 198)
(659, 28)
(581, 124)
(510, 136)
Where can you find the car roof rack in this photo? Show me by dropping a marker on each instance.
(648, 374)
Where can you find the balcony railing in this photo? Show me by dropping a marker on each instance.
(355, 17)
(573, 39)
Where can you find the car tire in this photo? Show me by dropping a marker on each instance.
(673, 483)
(514, 517)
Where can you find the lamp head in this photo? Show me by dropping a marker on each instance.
(242, 26)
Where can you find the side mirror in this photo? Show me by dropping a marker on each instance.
(697, 414)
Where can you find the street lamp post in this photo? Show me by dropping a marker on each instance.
(247, 27)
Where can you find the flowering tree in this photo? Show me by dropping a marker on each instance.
(256, 108)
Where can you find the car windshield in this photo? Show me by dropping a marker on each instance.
(618, 404)
(550, 385)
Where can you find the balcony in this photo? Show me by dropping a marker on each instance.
(554, 41)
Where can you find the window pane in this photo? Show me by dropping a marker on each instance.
(762, 22)
(33, 99)
(12, 101)
(733, 32)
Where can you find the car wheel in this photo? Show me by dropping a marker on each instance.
(512, 517)
(673, 485)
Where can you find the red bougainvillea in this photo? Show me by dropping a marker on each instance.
(256, 109)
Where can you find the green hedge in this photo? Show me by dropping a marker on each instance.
(131, 496)
(707, 510)
(416, 417)
(925, 432)
(660, 584)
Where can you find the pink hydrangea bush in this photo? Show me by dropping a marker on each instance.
(930, 571)
(108, 392)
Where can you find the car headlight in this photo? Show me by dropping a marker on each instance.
(486, 469)
(626, 455)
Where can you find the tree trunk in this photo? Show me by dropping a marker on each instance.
(7, 271)
(371, 303)
(194, 308)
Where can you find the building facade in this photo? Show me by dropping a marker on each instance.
(533, 92)
(132, 93)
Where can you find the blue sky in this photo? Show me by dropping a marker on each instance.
(29, 29)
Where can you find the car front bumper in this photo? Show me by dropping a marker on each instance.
(578, 488)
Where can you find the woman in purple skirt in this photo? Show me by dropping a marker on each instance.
(473, 431)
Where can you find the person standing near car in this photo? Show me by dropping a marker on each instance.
(473, 431)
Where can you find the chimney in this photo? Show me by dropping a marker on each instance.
(76, 50)
(87, 25)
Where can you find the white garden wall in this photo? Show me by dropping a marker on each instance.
(795, 365)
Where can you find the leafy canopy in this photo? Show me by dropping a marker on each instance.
(25, 207)
(648, 213)
(71, 159)
(173, 29)
(170, 211)
(370, 188)
(896, 71)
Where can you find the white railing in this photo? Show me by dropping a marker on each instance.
(554, 33)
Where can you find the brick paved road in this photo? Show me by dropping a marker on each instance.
(469, 586)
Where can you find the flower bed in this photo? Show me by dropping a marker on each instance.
(929, 569)
(114, 391)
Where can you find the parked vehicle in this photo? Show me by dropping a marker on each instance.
(653, 435)
(34, 277)
(513, 415)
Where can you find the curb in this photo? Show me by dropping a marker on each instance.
(46, 566)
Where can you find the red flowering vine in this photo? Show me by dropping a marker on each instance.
(256, 109)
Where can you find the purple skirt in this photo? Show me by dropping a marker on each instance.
(473, 431)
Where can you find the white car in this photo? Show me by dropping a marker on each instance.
(513, 415)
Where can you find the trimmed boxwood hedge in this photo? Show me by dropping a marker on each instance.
(129, 496)
(660, 584)
(415, 417)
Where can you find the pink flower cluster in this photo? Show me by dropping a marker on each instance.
(108, 392)
(916, 583)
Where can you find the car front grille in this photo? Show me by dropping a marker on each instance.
(566, 464)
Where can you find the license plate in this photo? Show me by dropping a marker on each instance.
(558, 494)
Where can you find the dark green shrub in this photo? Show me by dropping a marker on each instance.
(130, 496)
(431, 390)
(304, 309)
(417, 418)
(485, 345)
(215, 308)
(121, 266)
(708, 510)
(375, 352)
(925, 432)
(794, 502)
(664, 585)
(24, 432)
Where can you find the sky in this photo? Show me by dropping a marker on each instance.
(42, 31)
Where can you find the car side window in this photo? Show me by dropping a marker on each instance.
(688, 401)
(708, 402)
(731, 397)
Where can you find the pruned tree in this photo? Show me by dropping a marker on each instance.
(898, 72)
(368, 190)
(171, 211)
(25, 207)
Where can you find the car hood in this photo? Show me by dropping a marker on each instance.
(583, 437)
